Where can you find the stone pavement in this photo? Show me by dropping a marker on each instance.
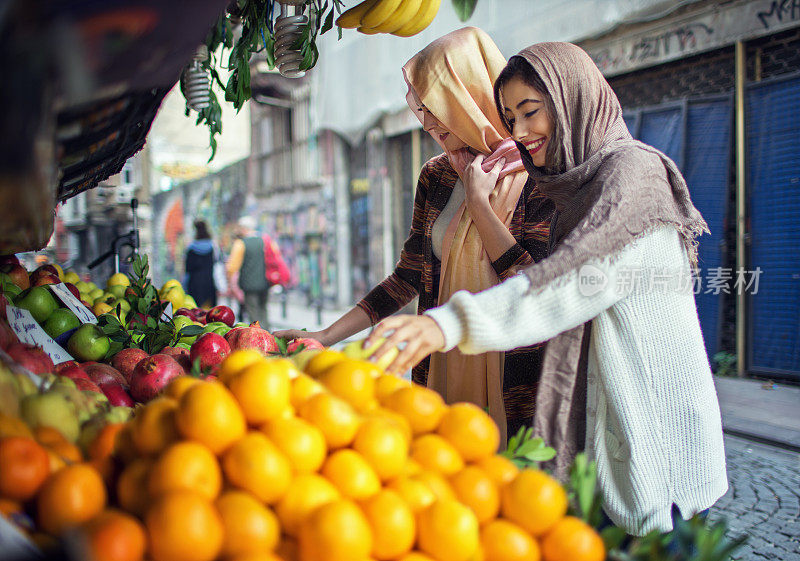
(763, 501)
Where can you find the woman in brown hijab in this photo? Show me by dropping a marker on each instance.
(465, 235)
(625, 375)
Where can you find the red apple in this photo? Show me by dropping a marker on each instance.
(47, 268)
(103, 373)
(152, 374)
(126, 360)
(221, 313)
(30, 357)
(45, 278)
(211, 349)
(6, 259)
(252, 337)
(184, 312)
(117, 395)
(307, 342)
(18, 275)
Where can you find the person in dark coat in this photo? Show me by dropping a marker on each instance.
(200, 258)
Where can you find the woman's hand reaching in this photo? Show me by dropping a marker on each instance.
(479, 184)
(290, 334)
(421, 335)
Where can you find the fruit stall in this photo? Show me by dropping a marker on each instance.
(136, 425)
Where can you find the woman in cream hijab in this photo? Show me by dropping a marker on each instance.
(466, 234)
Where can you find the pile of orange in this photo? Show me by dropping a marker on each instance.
(340, 462)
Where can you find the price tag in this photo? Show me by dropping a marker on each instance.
(83, 313)
(30, 332)
(167, 311)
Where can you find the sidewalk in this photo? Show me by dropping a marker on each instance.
(750, 408)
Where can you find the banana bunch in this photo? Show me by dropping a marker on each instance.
(403, 18)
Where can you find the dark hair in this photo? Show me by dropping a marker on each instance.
(201, 230)
(518, 67)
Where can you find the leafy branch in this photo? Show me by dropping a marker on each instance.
(526, 451)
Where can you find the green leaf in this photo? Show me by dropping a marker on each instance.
(282, 344)
(541, 455)
(190, 331)
(464, 8)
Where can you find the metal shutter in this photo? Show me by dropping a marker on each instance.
(773, 157)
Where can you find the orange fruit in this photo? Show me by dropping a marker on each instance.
(534, 500)
(288, 549)
(392, 524)
(115, 536)
(395, 418)
(303, 387)
(307, 492)
(572, 539)
(178, 386)
(259, 556)
(336, 531)
(415, 493)
(448, 531)
(124, 446)
(323, 360)
(499, 468)
(186, 465)
(502, 540)
(47, 436)
(69, 452)
(433, 452)
(236, 362)
(386, 384)
(69, 497)
(250, 527)
(438, 485)
(13, 426)
(423, 408)
(153, 426)
(303, 444)
(470, 430)
(262, 390)
(105, 442)
(411, 467)
(383, 445)
(183, 526)
(353, 381)
(477, 490)
(132, 484)
(209, 414)
(24, 467)
(256, 465)
(334, 417)
(415, 556)
(351, 474)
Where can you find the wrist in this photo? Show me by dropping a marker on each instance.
(478, 202)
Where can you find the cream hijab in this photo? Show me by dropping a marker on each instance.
(453, 78)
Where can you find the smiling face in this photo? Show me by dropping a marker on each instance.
(525, 113)
(436, 129)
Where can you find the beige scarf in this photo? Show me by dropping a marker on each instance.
(453, 78)
(613, 190)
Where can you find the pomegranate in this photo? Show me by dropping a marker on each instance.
(103, 373)
(75, 373)
(86, 385)
(126, 360)
(222, 314)
(307, 342)
(152, 374)
(180, 355)
(59, 368)
(30, 357)
(211, 349)
(117, 395)
(252, 337)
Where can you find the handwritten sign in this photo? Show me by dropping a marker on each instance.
(30, 332)
(167, 315)
(83, 313)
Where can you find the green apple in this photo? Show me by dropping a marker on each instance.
(96, 293)
(117, 290)
(88, 343)
(51, 409)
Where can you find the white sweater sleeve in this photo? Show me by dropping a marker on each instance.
(508, 315)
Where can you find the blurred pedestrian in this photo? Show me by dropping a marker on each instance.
(247, 260)
(200, 258)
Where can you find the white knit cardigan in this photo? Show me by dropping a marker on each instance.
(653, 419)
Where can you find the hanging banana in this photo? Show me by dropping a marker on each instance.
(403, 18)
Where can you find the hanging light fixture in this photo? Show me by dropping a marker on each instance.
(288, 29)
(196, 81)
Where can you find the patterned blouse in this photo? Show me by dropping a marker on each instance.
(417, 274)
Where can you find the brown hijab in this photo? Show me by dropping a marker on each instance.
(612, 189)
